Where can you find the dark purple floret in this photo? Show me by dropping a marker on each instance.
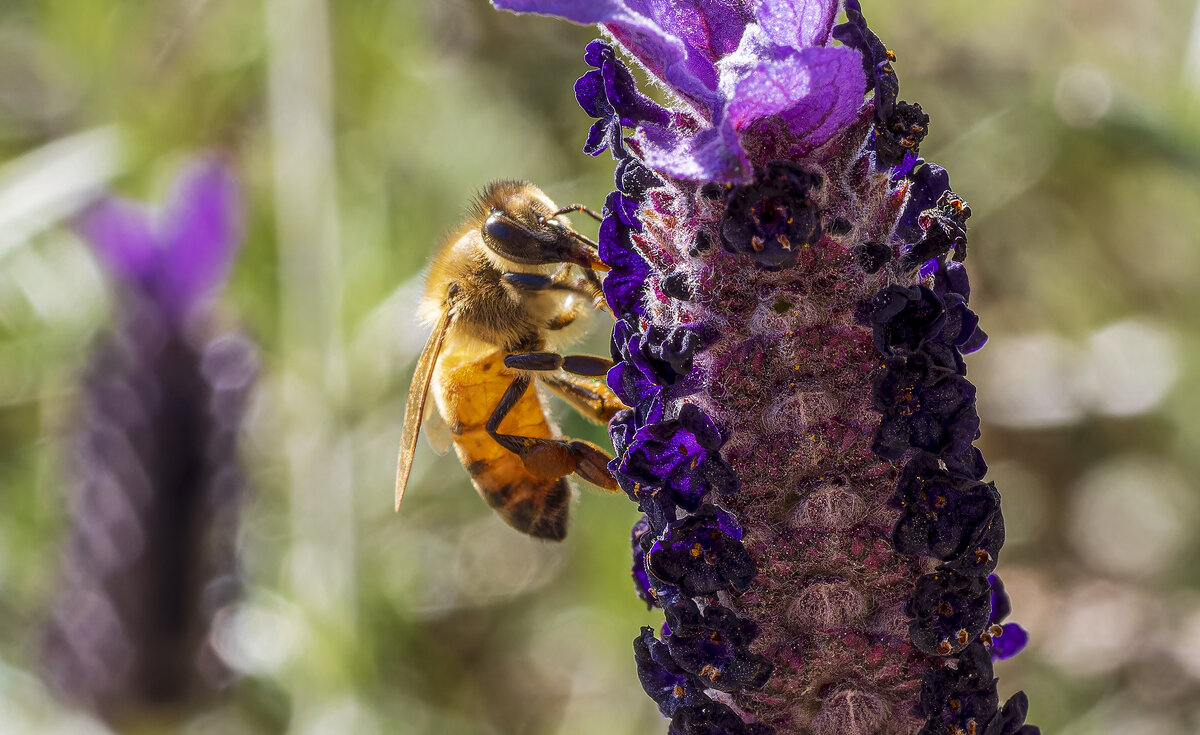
(1010, 720)
(872, 256)
(774, 217)
(702, 554)
(904, 318)
(1001, 605)
(678, 286)
(609, 94)
(649, 361)
(702, 245)
(962, 326)
(634, 179)
(927, 182)
(1010, 641)
(949, 610)
(900, 133)
(876, 59)
(950, 518)
(664, 454)
(714, 646)
(628, 271)
(670, 351)
(925, 406)
(621, 429)
(899, 126)
(945, 228)
(954, 698)
(713, 718)
(680, 456)
(611, 82)
(667, 684)
(641, 578)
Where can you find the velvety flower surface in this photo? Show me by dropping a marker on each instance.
(157, 483)
(792, 319)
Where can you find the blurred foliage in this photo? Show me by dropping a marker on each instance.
(361, 128)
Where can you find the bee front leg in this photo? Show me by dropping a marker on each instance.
(565, 319)
(590, 287)
(550, 458)
(592, 399)
(589, 366)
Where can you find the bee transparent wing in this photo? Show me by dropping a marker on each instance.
(414, 411)
(437, 431)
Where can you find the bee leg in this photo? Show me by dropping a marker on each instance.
(565, 319)
(550, 458)
(535, 282)
(589, 366)
(596, 290)
(590, 398)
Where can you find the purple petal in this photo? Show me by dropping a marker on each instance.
(649, 39)
(712, 154)
(120, 234)
(816, 91)
(589, 92)
(683, 68)
(1009, 643)
(712, 27)
(201, 229)
(797, 23)
(584, 12)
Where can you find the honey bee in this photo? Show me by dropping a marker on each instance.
(499, 293)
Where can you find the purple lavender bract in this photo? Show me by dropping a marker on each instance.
(800, 432)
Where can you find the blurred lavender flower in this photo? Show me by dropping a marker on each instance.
(801, 431)
(150, 551)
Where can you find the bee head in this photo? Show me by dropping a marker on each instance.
(520, 226)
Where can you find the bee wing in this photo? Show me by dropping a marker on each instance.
(437, 431)
(415, 409)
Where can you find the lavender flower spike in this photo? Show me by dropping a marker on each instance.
(149, 557)
(792, 319)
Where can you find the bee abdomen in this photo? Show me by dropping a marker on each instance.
(469, 393)
(541, 513)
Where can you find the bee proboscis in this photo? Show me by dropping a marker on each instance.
(499, 293)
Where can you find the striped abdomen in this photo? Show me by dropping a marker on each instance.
(467, 388)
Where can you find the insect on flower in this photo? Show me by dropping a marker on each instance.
(501, 291)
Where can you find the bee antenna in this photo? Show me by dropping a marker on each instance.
(582, 238)
(579, 208)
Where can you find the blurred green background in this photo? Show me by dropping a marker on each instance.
(361, 128)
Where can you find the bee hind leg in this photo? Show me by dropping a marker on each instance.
(550, 458)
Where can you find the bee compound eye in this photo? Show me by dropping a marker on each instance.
(501, 229)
